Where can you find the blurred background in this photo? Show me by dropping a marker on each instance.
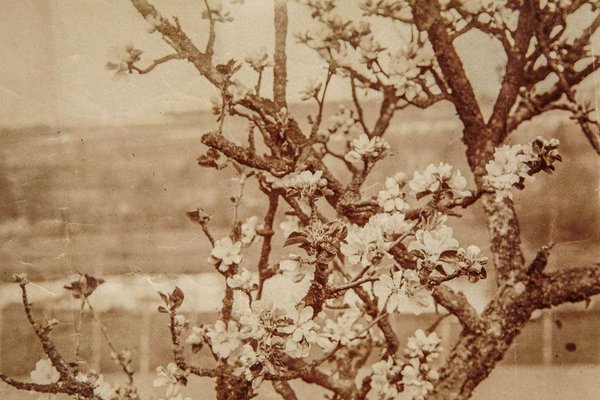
(96, 177)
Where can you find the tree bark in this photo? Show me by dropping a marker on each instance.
(280, 68)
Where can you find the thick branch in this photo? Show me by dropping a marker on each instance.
(513, 77)
(476, 135)
(181, 43)
(569, 286)
(280, 58)
(458, 305)
(242, 155)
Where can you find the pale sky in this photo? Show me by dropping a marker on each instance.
(53, 54)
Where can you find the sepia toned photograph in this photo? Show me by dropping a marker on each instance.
(300, 199)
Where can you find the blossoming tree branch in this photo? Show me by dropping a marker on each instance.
(380, 256)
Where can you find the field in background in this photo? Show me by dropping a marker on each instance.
(112, 199)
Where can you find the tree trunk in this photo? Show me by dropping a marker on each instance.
(476, 354)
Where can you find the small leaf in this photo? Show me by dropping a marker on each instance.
(295, 238)
(176, 298)
(196, 348)
(164, 297)
(448, 254)
(162, 309)
(420, 195)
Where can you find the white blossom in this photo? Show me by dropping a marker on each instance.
(415, 383)
(305, 182)
(244, 280)
(169, 377)
(508, 168)
(381, 386)
(365, 149)
(257, 319)
(343, 123)
(227, 252)
(439, 178)
(45, 373)
(402, 291)
(430, 244)
(247, 359)
(293, 267)
(301, 331)
(248, 230)
(238, 91)
(470, 258)
(121, 58)
(103, 389)
(311, 89)
(422, 345)
(224, 338)
(361, 245)
(391, 198)
(196, 337)
(345, 328)
(258, 59)
(388, 227)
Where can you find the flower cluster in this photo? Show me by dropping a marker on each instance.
(249, 230)
(430, 245)
(470, 261)
(401, 292)
(305, 183)
(345, 329)
(343, 123)
(508, 168)
(512, 165)
(368, 244)
(224, 338)
(196, 339)
(418, 374)
(301, 331)
(171, 377)
(237, 91)
(311, 89)
(384, 377)
(258, 59)
(294, 267)
(553, 5)
(104, 390)
(496, 14)
(365, 149)
(391, 199)
(225, 253)
(122, 59)
(399, 10)
(439, 179)
(243, 280)
(45, 373)
(406, 65)
(248, 360)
